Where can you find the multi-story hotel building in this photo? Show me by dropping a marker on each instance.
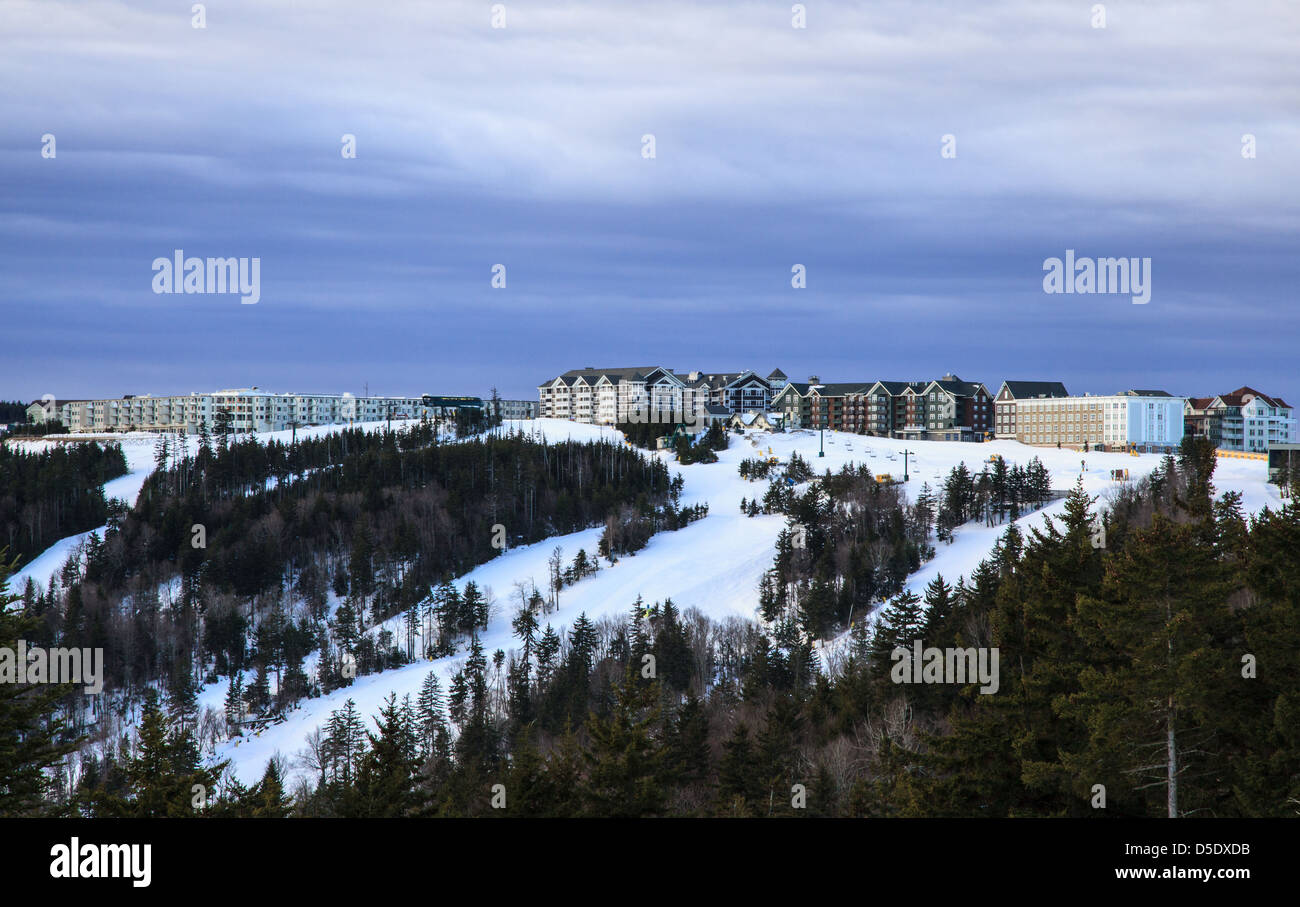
(651, 393)
(738, 392)
(610, 396)
(1244, 419)
(948, 409)
(1011, 393)
(792, 404)
(1146, 418)
(882, 408)
(829, 405)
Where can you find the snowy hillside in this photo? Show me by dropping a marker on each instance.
(139, 448)
(715, 564)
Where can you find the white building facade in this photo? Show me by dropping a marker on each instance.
(1150, 419)
(249, 409)
(610, 396)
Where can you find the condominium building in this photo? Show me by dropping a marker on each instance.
(1244, 419)
(515, 409)
(946, 409)
(607, 396)
(738, 392)
(1149, 419)
(792, 403)
(248, 409)
(50, 410)
(882, 408)
(949, 409)
(1011, 392)
(829, 406)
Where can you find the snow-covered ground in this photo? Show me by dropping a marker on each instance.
(139, 449)
(715, 564)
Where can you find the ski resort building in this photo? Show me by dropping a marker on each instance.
(608, 396)
(247, 409)
(1149, 419)
(1011, 392)
(1244, 420)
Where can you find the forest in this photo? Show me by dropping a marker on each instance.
(1149, 675)
(50, 494)
(241, 558)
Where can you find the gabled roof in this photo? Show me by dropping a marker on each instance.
(1019, 390)
(895, 388)
(795, 388)
(776, 373)
(1242, 393)
(840, 388)
(717, 380)
(747, 376)
(613, 375)
(54, 402)
(957, 387)
(716, 409)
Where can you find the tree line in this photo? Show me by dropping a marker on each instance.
(242, 558)
(47, 495)
(1146, 669)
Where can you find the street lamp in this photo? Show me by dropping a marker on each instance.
(825, 405)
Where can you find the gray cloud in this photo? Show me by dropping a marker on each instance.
(522, 145)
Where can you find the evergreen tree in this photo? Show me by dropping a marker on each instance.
(345, 743)
(33, 735)
(387, 773)
(1162, 612)
(625, 760)
(901, 623)
(267, 799)
(740, 786)
(938, 609)
(164, 778)
(430, 720)
(235, 702)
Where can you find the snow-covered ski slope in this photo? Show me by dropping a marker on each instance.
(715, 563)
(139, 449)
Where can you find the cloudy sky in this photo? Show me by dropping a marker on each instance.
(523, 146)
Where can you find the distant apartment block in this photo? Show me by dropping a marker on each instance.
(1244, 419)
(1146, 418)
(515, 409)
(248, 409)
(1011, 392)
